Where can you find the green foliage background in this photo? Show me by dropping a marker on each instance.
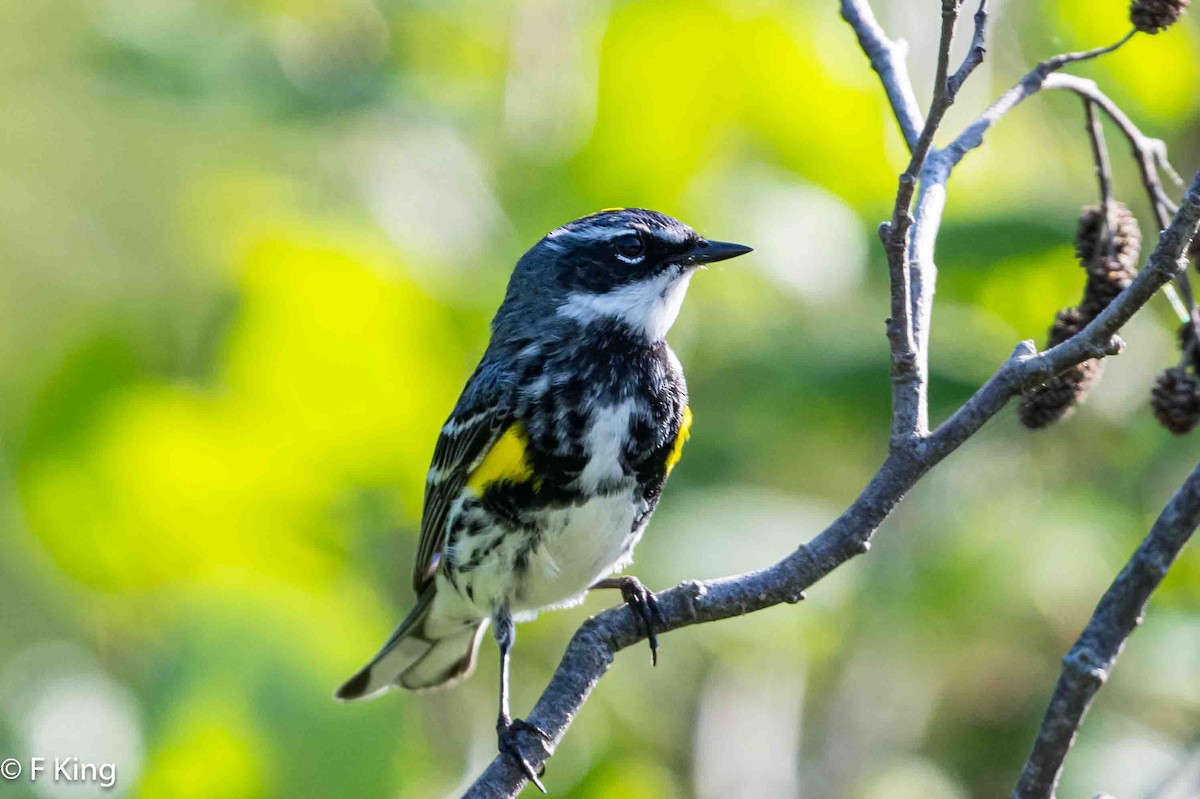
(248, 253)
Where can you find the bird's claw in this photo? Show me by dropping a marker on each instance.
(643, 602)
(506, 735)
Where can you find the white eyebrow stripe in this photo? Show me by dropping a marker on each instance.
(583, 232)
(674, 235)
(590, 232)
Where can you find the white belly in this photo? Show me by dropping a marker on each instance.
(576, 545)
(581, 545)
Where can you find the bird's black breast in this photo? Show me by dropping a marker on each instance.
(567, 383)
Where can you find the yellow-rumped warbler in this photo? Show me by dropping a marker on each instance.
(555, 456)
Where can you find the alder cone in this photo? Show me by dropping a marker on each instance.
(1110, 270)
(1176, 400)
(1126, 236)
(1107, 277)
(1187, 339)
(1057, 397)
(1152, 16)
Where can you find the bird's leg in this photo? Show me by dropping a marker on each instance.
(641, 600)
(506, 726)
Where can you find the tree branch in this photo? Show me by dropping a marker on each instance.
(1037, 78)
(594, 646)
(887, 59)
(975, 55)
(1096, 340)
(1087, 665)
(1103, 171)
(913, 275)
(931, 201)
(1150, 155)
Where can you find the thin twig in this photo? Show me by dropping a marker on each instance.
(910, 290)
(975, 54)
(594, 646)
(1150, 155)
(922, 269)
(1057, 62)
(911, 236)
(1160, 157)
(1088, 664)
(887, 59)
(1103, 174)
(1041, 76)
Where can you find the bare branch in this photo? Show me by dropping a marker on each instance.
(1037, 78)
(1150, 155)
(1055, 63)
(1088, 664)
(594, 646)
(975, 55)
(1103, 170)
(1103, 167)
(912, 278)
(1160, 157)
(887, 59)
(909, 400)
(1025, 369)
(591, 651)
(926, 218)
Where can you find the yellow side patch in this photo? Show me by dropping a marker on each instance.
(685, 431)
(507, 461)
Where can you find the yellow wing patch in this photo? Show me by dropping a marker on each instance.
(685, 432)
(507, 461)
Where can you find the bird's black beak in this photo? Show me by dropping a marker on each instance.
(707, 252)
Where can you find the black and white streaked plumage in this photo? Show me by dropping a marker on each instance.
(555, 456)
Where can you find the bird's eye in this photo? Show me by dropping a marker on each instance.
(629, 247)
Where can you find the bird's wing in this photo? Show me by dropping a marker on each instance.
(483, 413)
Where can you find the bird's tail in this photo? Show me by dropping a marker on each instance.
(424, 652)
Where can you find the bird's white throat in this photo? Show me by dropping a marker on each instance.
(648, 306)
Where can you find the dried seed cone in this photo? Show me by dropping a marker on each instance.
(1067, 323)
(1187, 338)
(1151, 16)
(1127, 237)
(1176, 400)
(1109, 272)
(1106, 279)
(1057, 397)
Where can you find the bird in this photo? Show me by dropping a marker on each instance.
(546, 473)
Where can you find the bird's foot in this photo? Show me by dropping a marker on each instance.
(643, 603)
(507, 738)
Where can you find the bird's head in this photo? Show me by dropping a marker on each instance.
(628, 265)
